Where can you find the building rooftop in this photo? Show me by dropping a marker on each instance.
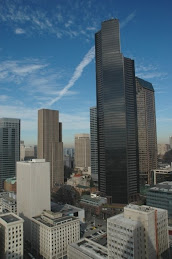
(145, 84)
(163, 187)
(121, 220)
(65, 209)
(91, 248)
(139, 208)
(9, 218)
(52, 220)
(11, 180)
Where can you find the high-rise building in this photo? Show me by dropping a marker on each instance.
(170, 142)
(82, 151)
(9, 148)
(139, 232)
(94, 147)
(146, 119)
(117, 117)
(50, 145)
(33, 191)
(52, 233)
(11, 236)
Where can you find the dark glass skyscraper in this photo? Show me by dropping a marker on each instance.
(117, 117)
(9, 148)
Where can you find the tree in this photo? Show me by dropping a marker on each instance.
(66, 194)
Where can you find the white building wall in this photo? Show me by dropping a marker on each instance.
(33, 190)
(11, 238)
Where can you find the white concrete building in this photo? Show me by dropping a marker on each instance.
(139, 232)
(85, 249)
(33, 190)
(51, 234)
(11, 236)
(8, 201)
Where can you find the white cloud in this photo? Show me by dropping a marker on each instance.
(150, 75)
(4, 98)
(19, 31)
(76, 75)
(129, 18)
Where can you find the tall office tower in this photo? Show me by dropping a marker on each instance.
(11, 236)
(117, 117)
(170, 142)
(82, 151)
(139, 232)
(147, 138)
(50, 145)
(9, 148)
(33, 191)
(94, 147)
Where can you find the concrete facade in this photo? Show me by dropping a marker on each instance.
(50, 145)
(33, 190)
(11, 236)
(52, 233)
(139, 232)
(82, 151)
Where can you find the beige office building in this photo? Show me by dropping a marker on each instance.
(147, 136)
(52, 233)
(82, 151)
(33, 191)
(11, 236)
(50, 145)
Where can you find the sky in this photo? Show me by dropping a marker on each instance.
(47, 58)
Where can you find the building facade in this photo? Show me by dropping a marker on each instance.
(11, 236)
(33, 191)
(139, 232)
(50, 145)
(117, 117)
(147, 137)
(52, 233)
(94, 144)
(82, 151)
(9, 148)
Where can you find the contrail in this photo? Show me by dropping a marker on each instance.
(76, 75)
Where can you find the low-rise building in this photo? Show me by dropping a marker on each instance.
(160, 175)
(11, 236)
(69, 210)
(8, 201)
(139, 232)
(160, 196)
(52, 233)
(85, 249)
(92, 204)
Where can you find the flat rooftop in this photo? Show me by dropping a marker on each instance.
(163, 187)
(121, 220)
(91, 248)
(53, 222)
(64, 208)
(9, 218)
(139, 208)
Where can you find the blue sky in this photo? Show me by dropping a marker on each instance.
(47, 58)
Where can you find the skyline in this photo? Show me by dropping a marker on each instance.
(47, 59)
